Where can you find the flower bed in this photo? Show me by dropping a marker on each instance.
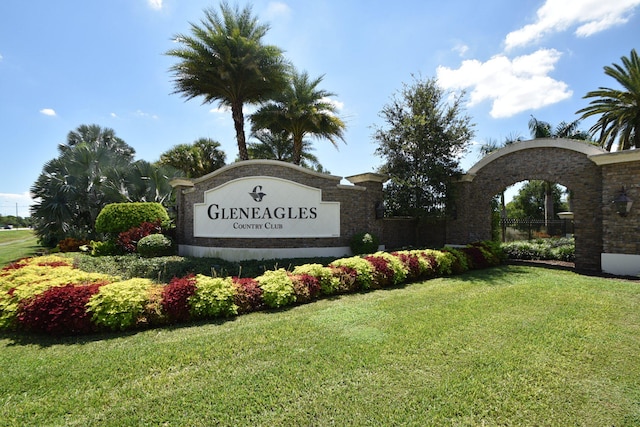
(49, 295)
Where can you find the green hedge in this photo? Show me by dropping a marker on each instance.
(115, 218)
(113, 303)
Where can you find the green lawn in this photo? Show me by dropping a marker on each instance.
(511, 345)
(15, 244)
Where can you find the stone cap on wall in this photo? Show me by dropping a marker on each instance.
(616, 157)
(367, 177)
(589, 150)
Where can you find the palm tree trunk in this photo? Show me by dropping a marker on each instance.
(297, 151)
(238, 122)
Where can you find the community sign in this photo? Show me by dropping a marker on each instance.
(265, 207)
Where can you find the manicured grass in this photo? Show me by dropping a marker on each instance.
(509, 345)
(16, 244)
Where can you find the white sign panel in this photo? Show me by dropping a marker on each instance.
(265, 207)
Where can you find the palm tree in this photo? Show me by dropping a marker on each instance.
(194, 160)
(301, 109)
(74, 187)
(541, 129)
(279, 146)
(225, 60)
(619, 110)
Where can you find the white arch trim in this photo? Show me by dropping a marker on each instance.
(566, 144)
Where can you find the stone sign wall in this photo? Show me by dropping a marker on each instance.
(261, 209)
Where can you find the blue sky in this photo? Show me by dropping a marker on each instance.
(73, 62)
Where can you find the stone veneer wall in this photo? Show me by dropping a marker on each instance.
(541, 160)
(621, 235)
(357, 204)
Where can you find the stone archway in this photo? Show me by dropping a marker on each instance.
(564, 161)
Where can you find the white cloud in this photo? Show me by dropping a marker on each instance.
(48, 112)
(220, 110)
(1, 57)
(339, 105)
(114, 115)
(155, 4)
(461, 49)
(513, 86)
(141, 113)
(590, 17)
(277, 9)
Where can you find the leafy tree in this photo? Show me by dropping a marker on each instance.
(529, 202)
(301, 109)
(426, 131)
(194, 160)
(225, 60)
(619, 110)
(279, 146)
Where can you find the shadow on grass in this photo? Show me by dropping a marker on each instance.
(43, 340)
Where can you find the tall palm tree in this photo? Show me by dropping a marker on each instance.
(301, 109)
(279, 146)
(194, 160)
(225, 60)
(619, 109)
(541, 129)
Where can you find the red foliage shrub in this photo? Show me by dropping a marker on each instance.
(71, 245)
(475, 257)
(128, 240)
(348, 278)
(175, 297)
(382, 273)
(248, 295)
(433, 264)
(54, 264)
(411, 262)
(16, 265)
(59, 310)
(305, 287)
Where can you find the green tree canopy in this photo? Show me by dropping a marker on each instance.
(194, 160)
(225, 60)
(530, 201)
(619, 109)
(279, 146)
(425, 134)
(301, 110)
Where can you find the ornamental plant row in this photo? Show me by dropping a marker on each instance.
(49, 295)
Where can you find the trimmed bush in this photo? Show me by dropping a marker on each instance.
(277, 288)
(155, 245)
(362, 267)
(128, 240)
(115, 218)
(47, 294)
(328, 282)
(364, 243)
(117, 306)
(175, 297)
(213, 297)
(248, 294)
(305, 287)
(562, 249)
(59, 311)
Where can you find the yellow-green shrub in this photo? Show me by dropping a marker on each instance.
(328, 283)
(362, 267)
(277, 288)
(118, 305)
(213, 297)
